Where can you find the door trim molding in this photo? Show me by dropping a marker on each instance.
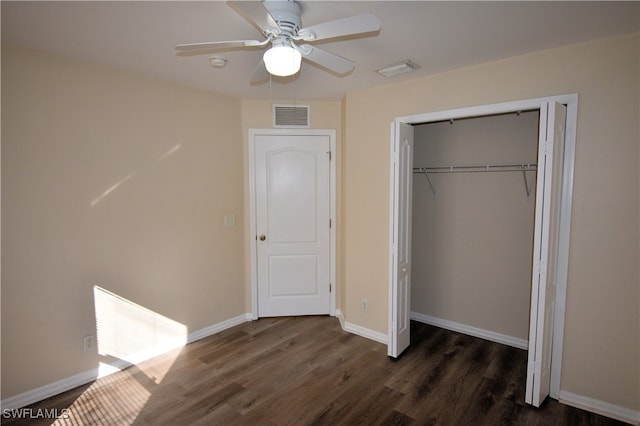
(571, 101)
(253, 133)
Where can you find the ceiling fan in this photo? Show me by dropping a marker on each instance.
(279, 21)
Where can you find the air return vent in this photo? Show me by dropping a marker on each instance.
(291, 116)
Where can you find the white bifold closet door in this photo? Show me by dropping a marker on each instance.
(545, 251)
(545, 247)
(400, 273)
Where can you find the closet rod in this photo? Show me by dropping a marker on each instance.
(478, 168)
(523, 168)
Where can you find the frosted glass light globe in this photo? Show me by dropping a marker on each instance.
(282, 60)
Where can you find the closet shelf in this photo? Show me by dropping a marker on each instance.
(523, 168)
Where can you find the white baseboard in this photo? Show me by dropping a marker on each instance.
(472, 331)
(600, 407)
(105, 369)
(366, 332)
(46, 391)
(217, 328)
(340, 318)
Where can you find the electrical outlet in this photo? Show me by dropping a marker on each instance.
(89, 343)
(364, 305)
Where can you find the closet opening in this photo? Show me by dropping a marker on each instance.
(473, 224)
(480, 212)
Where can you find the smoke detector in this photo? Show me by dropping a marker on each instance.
(218, 61)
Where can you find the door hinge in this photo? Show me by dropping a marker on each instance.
(548, 146)
(330, 223)
(329, 287)
(329, 152)
(541, 267)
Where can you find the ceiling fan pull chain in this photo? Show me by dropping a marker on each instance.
(270, 89)
(295, 93)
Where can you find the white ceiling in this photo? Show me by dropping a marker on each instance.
(438, 36)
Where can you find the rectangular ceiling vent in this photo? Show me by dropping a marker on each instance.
(291, 115)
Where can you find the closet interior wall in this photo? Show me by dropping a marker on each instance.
(472, 242)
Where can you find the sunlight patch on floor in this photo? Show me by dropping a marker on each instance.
(117, 399)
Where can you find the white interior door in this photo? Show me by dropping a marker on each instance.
(400, 261)
(292, 188)
(545, 249)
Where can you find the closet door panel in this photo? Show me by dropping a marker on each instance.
(543, 289)
(400, 268)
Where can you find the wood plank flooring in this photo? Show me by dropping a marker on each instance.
(307, 371)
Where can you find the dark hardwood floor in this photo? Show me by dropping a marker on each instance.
(307, 371)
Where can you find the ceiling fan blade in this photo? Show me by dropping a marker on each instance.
(358, 24)
(254, 12)
(325, 59)
(220, 45)
(260, 74)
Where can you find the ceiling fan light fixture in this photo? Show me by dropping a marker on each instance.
(282, 60)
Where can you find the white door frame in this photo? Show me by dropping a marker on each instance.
(253, 133)
(571, 101)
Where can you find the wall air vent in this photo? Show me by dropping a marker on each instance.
(291, 116)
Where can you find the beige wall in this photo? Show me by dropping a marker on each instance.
(601, 344)
(472, 243)
(114, 180)
(257, 114)
(123, 181)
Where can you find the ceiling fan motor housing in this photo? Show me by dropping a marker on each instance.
(286, 14)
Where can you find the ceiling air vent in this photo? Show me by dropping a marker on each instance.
(291, 116)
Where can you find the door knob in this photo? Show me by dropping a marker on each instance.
(263, 237)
